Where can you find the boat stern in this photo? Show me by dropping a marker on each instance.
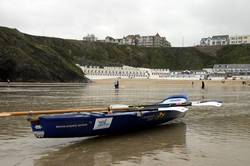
(37, 128)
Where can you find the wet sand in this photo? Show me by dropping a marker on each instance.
(205, 136)
(176, 82)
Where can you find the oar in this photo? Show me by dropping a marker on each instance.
(181, 100)
(116, 107)
(159, 105)
(168, 102)
(207, 103)
(22, 113)
(119, 107)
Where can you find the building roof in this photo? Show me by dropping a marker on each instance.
(218, 37)
(157, 34)
(111, 38)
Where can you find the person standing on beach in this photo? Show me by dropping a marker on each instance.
(202, 85)
(116, 84)
(8, 81)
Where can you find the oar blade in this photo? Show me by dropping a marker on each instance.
(207, 103)
(176, 99)
(179, 109)
(4, 114)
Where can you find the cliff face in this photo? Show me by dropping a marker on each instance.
(29, 58)
(33, 58)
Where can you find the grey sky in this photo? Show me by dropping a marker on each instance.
(175, 19)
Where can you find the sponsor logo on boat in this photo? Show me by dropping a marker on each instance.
(72, 125)
(102, 123)
(161, 115)
(38, 127)
(157, 116)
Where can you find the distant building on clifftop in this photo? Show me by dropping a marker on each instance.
(109, 39)
(153, 41)
(218, 40)
(206, 41)
(89, 38)
(134, 40)
(137, 40)
(240, 39)
(221, 40)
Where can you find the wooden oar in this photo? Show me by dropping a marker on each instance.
(113, 108)
(107, 109)
(165, 103)
(22, 113)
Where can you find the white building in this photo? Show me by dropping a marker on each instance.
(90, 38)
(241, 39)
(128, 72)
(232, 69)
(225, 40)
(109, 39)
(220, 40)
(125, 72)
(187, 75)
(205, 41)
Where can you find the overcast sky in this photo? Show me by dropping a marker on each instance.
(175, 19)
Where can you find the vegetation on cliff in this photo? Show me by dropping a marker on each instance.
(25, 57)
(29, 58)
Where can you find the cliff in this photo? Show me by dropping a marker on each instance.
(25, 57)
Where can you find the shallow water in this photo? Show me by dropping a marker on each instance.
(206, 136)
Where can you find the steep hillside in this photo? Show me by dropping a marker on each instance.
(234, 54)
(25, 57)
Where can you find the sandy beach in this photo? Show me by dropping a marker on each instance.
(150, 82)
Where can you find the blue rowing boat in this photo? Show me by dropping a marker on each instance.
(102, 123)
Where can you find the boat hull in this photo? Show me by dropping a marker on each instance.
(92, 124)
